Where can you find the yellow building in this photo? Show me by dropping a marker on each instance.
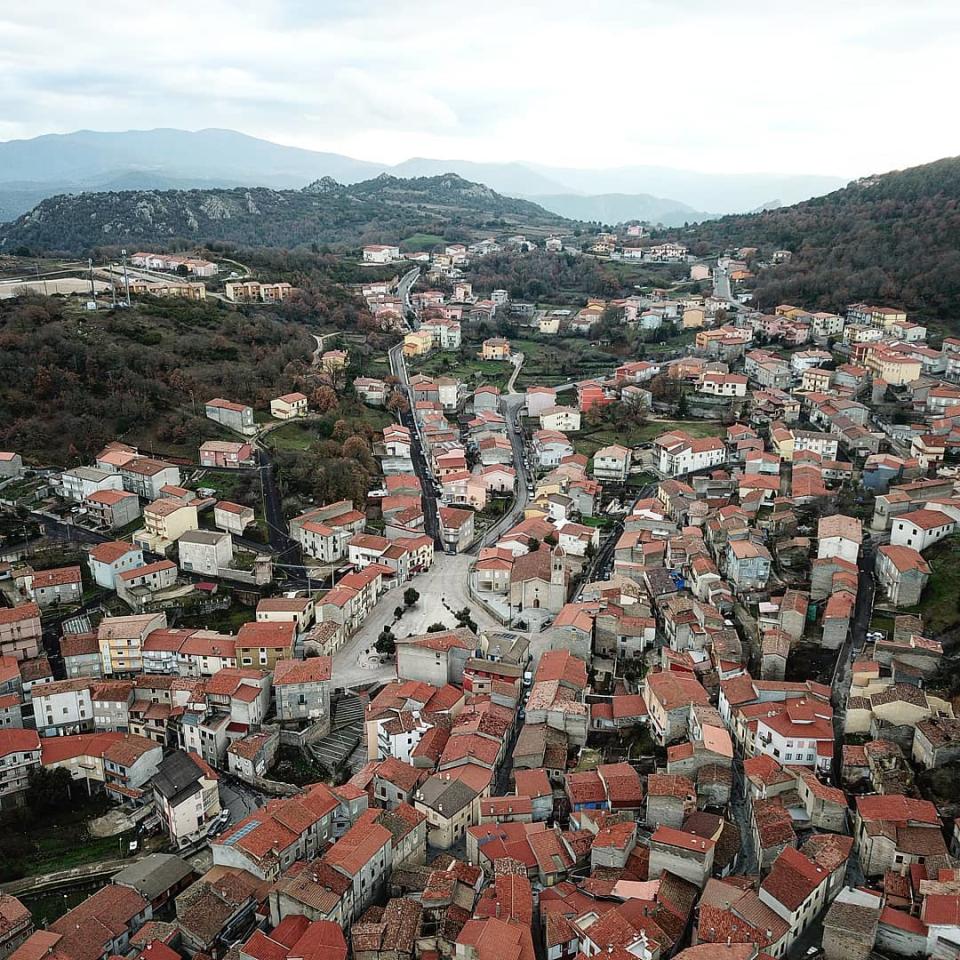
(496, 348)
(169, 519)
(417, 344)
(895, 368)
(334, 360)
(693, 318)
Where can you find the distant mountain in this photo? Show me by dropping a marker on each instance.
(892, 238)
(94, 158)
(620, 207)
(515, 179)
(31, 170)
(385, 209)
(723, 192)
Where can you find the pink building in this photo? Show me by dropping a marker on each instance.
(225, 453)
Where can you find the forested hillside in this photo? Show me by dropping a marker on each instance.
(893, 238)
(70, 383)
(386, 209)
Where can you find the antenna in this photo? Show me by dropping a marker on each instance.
(93, 289)
(126, 280)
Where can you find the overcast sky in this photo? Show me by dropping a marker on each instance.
(837, 87)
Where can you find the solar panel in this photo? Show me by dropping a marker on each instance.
(241, 833)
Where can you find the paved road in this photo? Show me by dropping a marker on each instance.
(518, 359)
(239, 798)
(442, 589)
(430, 521)
(404, 285)
(61, 530)
(513, 410)
(741, 814)
(857, 635)
(280, 542)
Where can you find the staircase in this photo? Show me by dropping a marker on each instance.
(346, 732)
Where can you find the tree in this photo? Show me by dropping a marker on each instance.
(397, 613)
(324, 399)
(436, 628)
(48, 789)
(398, 403)
(465, 619)
(683, 407)
(410, 596)
(386, 644)
(664, 388)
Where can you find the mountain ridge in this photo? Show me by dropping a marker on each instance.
(384, 209)
(33, 169)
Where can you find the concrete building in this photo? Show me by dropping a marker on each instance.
(106, 560)
(302, 690)
(19, 755)
(225, 454)
(683, 854)
(234, 416)
(289, 406)
(186, 791)
(205, 551)
(113, 508)
(78, 483)
(146, 477)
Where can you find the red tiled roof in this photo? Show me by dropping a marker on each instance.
(111, 551)
(311, 670)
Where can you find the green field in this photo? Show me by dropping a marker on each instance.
(939, 604)
(590, 440)
(299, 435)
(421, 241)
(466, 366)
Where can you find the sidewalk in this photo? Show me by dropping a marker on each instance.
(87, 871)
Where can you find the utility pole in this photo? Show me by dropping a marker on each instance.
(126, 280)
(93, 289)
(37, 265)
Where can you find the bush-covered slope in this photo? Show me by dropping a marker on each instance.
(893, 238)
(385, 209)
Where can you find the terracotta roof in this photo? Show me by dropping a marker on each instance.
(354, 850)
(111, 551)
(57, 577)
(279, 635)
(792, 878)
(311, 670)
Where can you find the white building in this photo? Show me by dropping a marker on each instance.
(205, 551)
(63, 707)
(612, 463)
(920, 528)
(678, 453)
(106, 560)
(380, 253)
(78, 483)
(560, 418)
(723, 385)
(839, 536)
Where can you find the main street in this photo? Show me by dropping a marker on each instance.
(513, 405)
(856, 637)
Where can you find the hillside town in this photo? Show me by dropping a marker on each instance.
(653, 662)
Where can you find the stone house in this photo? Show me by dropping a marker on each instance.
(681, 853)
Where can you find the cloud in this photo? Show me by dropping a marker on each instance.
(824, 87)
